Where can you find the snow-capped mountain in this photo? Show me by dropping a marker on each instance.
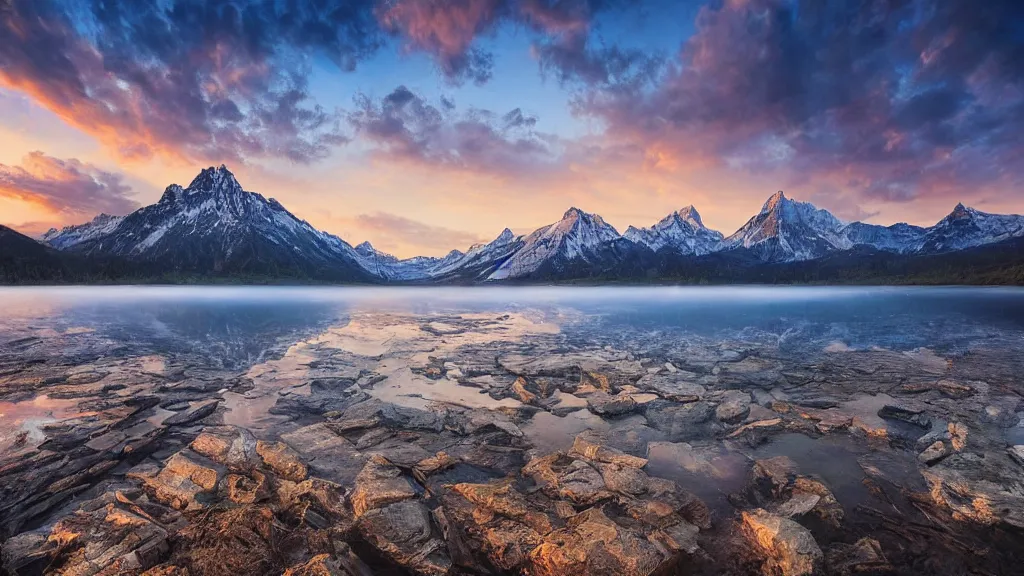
(682, 231)
(481, 259)
(70, 236)
(389, 267)
(966, 227)
(787, 231)
(900, 238)
(575, 237)
(214, 226)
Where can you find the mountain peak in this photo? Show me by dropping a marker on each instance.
(213, 179)
(961, 211)
(365, 247)
(690, 214)
(573, 212)
(505, 236)
(774, 201)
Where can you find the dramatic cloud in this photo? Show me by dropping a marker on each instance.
(449, 30)
(893, 99)
(194, 79)
(446, 29)
(404, 126)
(399, 231)
(68, 188)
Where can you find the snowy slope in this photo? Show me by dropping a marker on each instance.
(900, 238)
(70, 236)
(571, 238)
(966, 227)
(682, 231)
(389, 267)
(787, 231)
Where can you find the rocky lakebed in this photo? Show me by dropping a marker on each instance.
(482, 442)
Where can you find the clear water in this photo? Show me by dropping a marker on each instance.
(237, 323)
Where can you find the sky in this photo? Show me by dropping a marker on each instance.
(429, 125)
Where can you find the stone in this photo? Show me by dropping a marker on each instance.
(1016, 453)
(378, 484)
(604, 404)
(404, 533)
(433, 465)
(109, 540)
(184, 477)
(975, 492)
(732, 411)
(343, 562)
(908, 415)
(591, 543)
(770, 425)
(587, 445)
(957, 435)
(789, 547)
(284, 461)
(672, 387)
(502, 499)
(193, 414)
(327, 455)
(245, 489)
(524, 395)
(228, 445)
(932, 454)
(865, 556)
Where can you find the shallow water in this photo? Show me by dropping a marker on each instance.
(275, 336)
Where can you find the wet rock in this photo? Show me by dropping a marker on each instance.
(404, 533)
(193, 414)
(343, 562)
(865, 556)
(316, 502)
(588, 445)
(591, 543)
(681, 422)
(524, 395)
(228, 445)
(326, 454)
(27, 553)
(759, 427)
(672, 387)
(933, 453)
(604, 404)
(774, 484)
(954, 389)
(789, 547)
(432, 465)
(562, 477)
(733, 409)
(108, 540)
(502, 499)
(957, 435)
(1016, 454)
(284, 461)
(977, 489)
(378, 484)
(908, 415)
(183, 479)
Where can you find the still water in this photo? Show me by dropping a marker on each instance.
(237, 325)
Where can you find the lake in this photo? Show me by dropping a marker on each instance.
(845, 387)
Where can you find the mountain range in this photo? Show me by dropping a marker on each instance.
(214, 229)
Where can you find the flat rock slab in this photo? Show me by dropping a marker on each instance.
(193, 414)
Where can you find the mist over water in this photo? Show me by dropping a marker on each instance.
(237, 323)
